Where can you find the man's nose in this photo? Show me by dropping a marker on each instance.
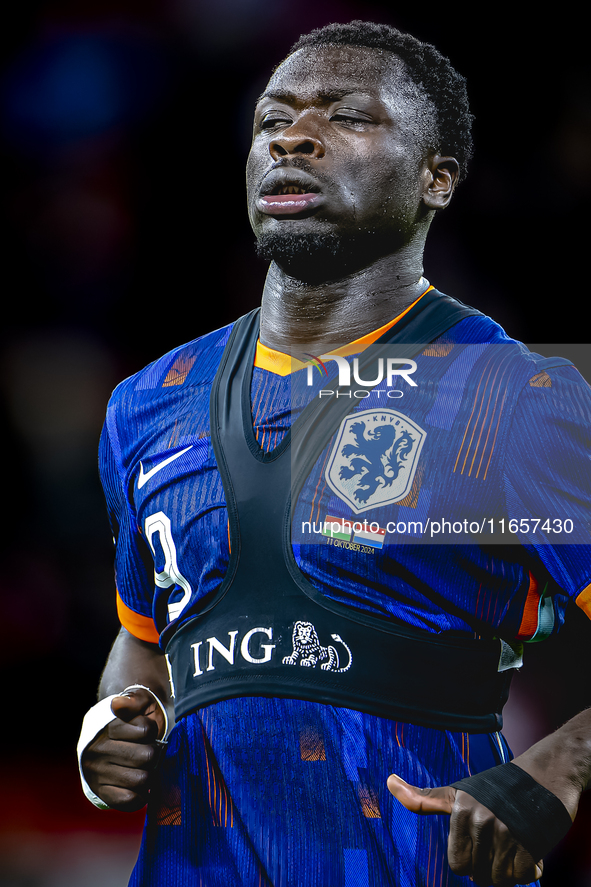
(300, 138)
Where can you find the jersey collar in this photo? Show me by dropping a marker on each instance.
(283, 364)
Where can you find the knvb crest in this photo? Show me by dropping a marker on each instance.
(374, 458)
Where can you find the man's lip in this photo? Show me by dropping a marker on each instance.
(288, 204)
(280, 178)
(274, 200)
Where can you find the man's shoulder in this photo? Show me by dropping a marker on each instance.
(484, 357)
(482, 330)
(190, 365)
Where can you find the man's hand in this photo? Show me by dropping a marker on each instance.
(479, 845)
(119, 762)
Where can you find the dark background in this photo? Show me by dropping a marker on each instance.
(125, 127)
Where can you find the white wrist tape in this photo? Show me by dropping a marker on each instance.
(94, 721)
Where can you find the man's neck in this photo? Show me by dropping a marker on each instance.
(314, 318)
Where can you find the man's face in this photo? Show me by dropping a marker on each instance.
(337, 152)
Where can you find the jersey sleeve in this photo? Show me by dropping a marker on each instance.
(547, 476)
(133, 579)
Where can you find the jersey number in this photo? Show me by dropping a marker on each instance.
(170, 575)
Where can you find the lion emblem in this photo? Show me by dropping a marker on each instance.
(374, 458)
(307, 650)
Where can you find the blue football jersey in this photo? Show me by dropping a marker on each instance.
(500, 444)
(455, 504)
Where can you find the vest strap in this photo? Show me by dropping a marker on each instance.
(267, 631)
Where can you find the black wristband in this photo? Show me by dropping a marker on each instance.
(533, 815)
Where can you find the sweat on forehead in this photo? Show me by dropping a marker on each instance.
(344, 68)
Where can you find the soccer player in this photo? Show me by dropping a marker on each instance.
(306, 504)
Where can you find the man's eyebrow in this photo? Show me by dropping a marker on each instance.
(287, 96)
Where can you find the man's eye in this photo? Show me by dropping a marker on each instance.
(270, 121)
(350, 119)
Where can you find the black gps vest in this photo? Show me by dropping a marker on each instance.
(267, 631)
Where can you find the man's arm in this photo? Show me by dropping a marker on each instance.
(480, 845)
(117, 764)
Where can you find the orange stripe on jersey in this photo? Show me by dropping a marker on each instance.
(370, 806)
(170, 811)
(529, 620)
(584, 601)
(179, 371)
(141, 627)
(312, 745)
(480, 436)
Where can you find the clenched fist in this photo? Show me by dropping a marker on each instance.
(119, 762)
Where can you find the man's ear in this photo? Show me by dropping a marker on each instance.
(440, 178)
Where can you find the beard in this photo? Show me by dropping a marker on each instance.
(287, 247)
(319, 256)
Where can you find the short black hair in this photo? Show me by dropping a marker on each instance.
(425, 66)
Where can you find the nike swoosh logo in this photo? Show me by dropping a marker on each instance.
(145, 476)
